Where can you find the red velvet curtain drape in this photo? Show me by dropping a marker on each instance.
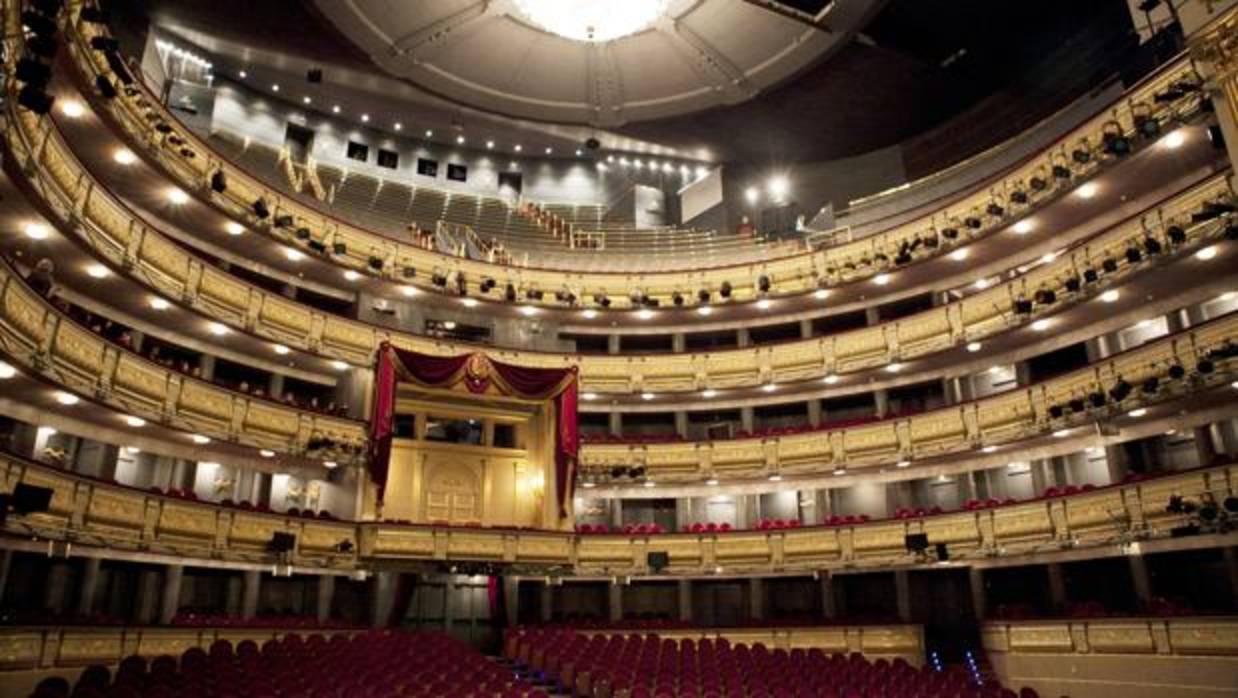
(478, 373)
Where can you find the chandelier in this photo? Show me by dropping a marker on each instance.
(592, 20)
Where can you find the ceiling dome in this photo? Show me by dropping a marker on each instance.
(596, 62)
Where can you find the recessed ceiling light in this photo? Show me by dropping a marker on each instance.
(281, 349)
(981, 284)
(408, 291)
(894, 368)
(242, 75)
(588, 485)
(708, 393)
(469, 302)
(1040, 325)
(960, 254)
(489, 145)
(704, 310)
(764, 304)
(72, 109)
(1174, 139)
(588, 313)
(335, 109)
(1088, 190)
(97, 271)
(589, 396)
(339, 365)
(902, 464)
(578, 153)
(124, 156)
(1023, 227)
(293, 255)
(881, 279)
(712, 482)
(266, 453)
(769, 387)
(233, 228)
(840, 470)
(158, 303)
(650, 483)
(1110, 296)
(132, 450)
(775, 478)
(644, 314)
(399, 126)
(449, 325)
(821, 294)
(1207, 253)
(6, 370)
(646, 396)
(275, 88)
(306, 99)
(1061, 433)
(549, 150)
(518, 148)
(200, 439)
(350, 275)
(974, 347)
(67, 399)
(988, 449)
(217, 329)
(1137, 412)
(177, 196)
(330, 464)
(365, 118)
(36, 231)
(528, 310)
(460, 140)
(135, 421)
(830, 379)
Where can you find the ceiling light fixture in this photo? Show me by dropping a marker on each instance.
(233, 228)
(282, 350)
(217, 329)
(588, 313)
(881, 279)
(973, 347)
(960, 254)
(1110, 296)
(408, 291)
(1174, 139)
(72, 109)
(339, 365)
(158, 303)
(596, 21)
(36, 231)
(469, 302)
(1088, 190)
(67, 399)
(177, 196)
(200, 439)
(6, 370)
(97, 271)
(124, 156)
(1023, 227)
(1040, 325)
(1207, 253)
(135, 421)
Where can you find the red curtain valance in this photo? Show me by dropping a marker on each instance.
(478, 373)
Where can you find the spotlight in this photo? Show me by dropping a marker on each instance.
(1205, 366)
(1038, 184)
(35, 100)
(284, 221)
(1116, 144)
(1110, 265)
(339, 249)
(725, 289)
(677, 299)
(260, 209)
(1018, 196)
(1120, 391)
(1081, 156)
(763, 284)
(1152, 245)
(1045, 296)
(1061, 172)
(32, 72)
(702, 296)
(972, 222)
(1150, 385)
(219, 181)
(993, 209)
(1097, 399)
(1073, 284)
(1133, 255)
(1023, 306)
(1177, 372)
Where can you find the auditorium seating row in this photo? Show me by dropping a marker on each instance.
(116, 234)
(1157, 104)
(650, 666)
(363, 665)
(93, 512)
(37, 336)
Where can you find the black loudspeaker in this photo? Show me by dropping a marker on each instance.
(592, 143)
(339, 248)
(282, 542)
(219, 181)
(916, 542)
(260, 209)
(28, 499)
(313, 76)
(943, 553)
(658, 561)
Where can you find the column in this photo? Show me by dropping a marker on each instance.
(206, 362)
(616, 423)
(872, 315)
(685, 600)
(548, 602)
(814, 412)
(829, 609)
(1022, 374)
(967, 486)
(902, 593)
(449, 594)
(678, 342)
(57, 586)
(1057, 586)
(275, 387)
(881, 400)
(743, 338)
(6, 562)
(746, 418)
(612, 344)
(806, 329)
(616, 514)
(1205, 449)
(326, 595)
(756, 598)
(614, 601)
(86, 589)
(975, 579)
(511, 594)
(681, 424)
(170, 600)
(250, 587)
(146, 606)
(1140, 579)
(382, 592)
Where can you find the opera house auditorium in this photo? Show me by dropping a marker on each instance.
(663, 349)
